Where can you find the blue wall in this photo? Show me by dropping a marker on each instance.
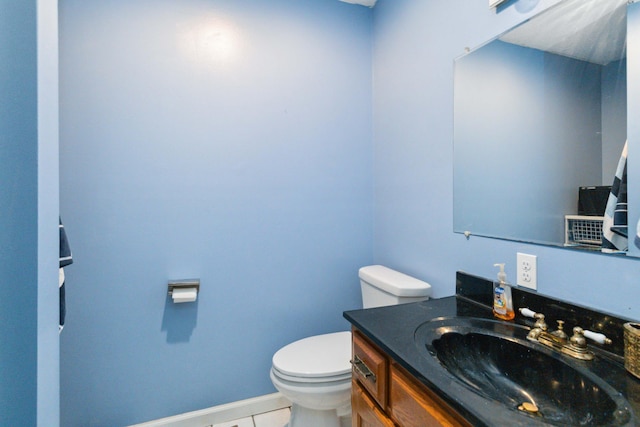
(18, 227)
(29, 374)
(614, 116)
(414, 47)
(224, 140)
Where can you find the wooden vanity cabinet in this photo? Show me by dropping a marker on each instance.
(386, 395)
(364, 411)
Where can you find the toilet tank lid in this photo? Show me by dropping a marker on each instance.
(394, 282)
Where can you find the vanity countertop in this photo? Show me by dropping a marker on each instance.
(393, 328)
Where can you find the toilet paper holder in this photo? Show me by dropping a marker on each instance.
(182, 284)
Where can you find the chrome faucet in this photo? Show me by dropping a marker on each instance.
(576, 346)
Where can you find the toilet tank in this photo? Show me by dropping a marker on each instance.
(384, 286)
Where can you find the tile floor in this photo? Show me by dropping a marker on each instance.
(278, 418)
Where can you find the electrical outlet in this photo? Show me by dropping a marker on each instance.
(527, 271)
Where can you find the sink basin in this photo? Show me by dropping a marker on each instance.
(494, 360)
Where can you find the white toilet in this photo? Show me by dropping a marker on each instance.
(315, 373)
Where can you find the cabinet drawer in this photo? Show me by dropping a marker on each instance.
(365, 413)
(370, 368)
(411, 404)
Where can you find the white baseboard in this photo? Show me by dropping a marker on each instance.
(222, 413)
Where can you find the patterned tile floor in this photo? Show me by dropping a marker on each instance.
(278, 418)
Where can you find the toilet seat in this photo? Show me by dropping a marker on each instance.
(321, 358)
(311, 380)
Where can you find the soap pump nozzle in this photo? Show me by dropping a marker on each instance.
(502, 276)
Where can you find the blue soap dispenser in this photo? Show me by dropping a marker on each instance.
(502, 302)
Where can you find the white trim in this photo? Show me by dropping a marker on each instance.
(223, 413)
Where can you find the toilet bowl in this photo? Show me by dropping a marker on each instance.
(314, 373)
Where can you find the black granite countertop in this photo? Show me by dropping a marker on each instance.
(393, 329)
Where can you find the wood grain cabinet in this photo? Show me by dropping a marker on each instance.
(365, 412)
(386, 395)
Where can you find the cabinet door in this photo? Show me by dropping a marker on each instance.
(413, 405)
(370, 368)
(364, 411)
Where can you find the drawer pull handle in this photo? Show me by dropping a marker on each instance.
(362, 368)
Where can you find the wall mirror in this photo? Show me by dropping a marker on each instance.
(540, 124)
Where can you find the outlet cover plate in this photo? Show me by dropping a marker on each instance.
(527, 271)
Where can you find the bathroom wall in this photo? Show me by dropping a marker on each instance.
(18, 161)
(29, 381)
(223, 140)
(614, 117)
(415, 44)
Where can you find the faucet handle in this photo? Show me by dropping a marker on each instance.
(578, 339)
(527, 312)
(540, 323)
(597, 337)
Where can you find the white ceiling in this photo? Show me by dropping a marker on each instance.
(590, 30)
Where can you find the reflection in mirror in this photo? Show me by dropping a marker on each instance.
(540, 122)
(633, 126)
